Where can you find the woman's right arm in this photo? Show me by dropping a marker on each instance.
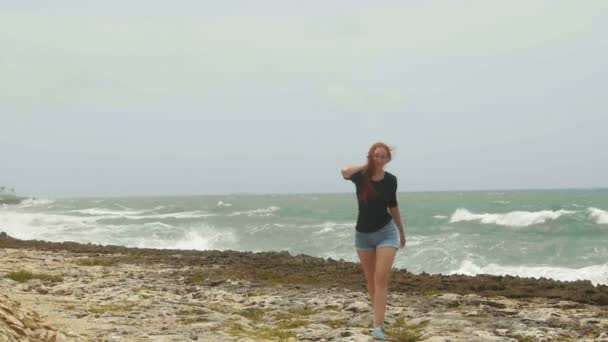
(349, 170)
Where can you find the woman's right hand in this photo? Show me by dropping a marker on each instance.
(402, 239)
(349, 170)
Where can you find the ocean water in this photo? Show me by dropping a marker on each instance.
(560, 234)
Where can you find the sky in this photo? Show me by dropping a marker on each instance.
(137, 98)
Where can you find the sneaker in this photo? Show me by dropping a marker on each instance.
(382, 326)
(378, 334)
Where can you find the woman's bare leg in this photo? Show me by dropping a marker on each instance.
(368, 263)
(384, 265)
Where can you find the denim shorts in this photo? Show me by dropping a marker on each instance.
(386, 236)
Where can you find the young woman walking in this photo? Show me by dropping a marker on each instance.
(379, 232)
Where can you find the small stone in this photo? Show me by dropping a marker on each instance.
(114, 338)
(586, 321)
(34, 283)
(29, 323)
(42, 290)
(217, 282)
(18, 329)
(358, 306)
(7, 282)
(501, 332)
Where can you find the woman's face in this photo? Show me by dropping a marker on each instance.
(380, 157)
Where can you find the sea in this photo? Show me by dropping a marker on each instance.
(558, 234)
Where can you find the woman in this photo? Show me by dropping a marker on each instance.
(379, 232)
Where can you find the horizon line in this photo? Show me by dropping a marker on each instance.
(252, 193)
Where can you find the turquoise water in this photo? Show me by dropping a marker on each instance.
(560, 234)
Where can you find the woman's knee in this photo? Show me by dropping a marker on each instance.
(380, 279)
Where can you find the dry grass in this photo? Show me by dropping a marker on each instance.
(23, 276)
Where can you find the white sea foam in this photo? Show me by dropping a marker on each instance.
(256, 212)
(100, 213)
(38, 202)
(199, 238)
(147, 225)
(600, 216)
(510, 219)
(28, 225)
(597, 274)
(122, 206)
(440, 216)
(106, 212)
(84, 229)
(329, 227)
(178, 215)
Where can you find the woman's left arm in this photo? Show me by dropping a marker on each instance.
(397, 218)
(393, 207)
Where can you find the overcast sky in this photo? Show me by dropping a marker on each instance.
(198, 97)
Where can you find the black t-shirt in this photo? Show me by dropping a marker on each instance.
(374, 215)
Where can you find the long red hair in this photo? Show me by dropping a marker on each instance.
(370, 169)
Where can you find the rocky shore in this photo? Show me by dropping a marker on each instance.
(84, 292)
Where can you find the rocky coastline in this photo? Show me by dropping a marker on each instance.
(67, 291)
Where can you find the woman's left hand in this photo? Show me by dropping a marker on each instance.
(401, 239)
